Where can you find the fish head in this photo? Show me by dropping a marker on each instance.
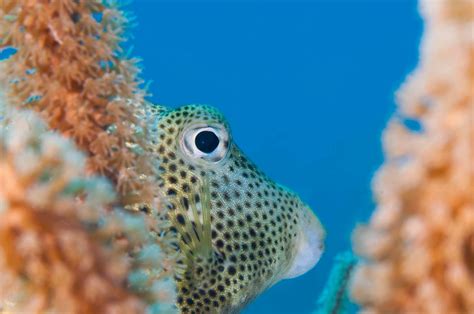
(240, 231)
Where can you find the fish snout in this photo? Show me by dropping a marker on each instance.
(308, 245)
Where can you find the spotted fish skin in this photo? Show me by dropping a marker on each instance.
(259, 231)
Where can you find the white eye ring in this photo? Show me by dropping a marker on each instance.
(207, 142)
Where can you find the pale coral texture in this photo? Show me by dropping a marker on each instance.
(49, 259)
(62, 247)
(418, 248)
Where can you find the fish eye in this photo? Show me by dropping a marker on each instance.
(207, 142)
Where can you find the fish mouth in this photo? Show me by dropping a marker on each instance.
(308, 246)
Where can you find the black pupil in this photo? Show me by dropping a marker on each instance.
(206, 141)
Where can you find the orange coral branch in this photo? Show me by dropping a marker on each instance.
(419, 245)
(70, 68)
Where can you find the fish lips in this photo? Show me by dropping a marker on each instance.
(308, 245)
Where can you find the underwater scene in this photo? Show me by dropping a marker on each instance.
(237, 156)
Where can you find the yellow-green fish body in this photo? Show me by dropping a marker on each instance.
(240, 232)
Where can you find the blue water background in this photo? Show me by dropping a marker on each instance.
(307, 87)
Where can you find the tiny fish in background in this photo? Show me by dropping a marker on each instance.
(240, 232)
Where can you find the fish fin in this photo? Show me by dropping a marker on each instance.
(194, 226)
